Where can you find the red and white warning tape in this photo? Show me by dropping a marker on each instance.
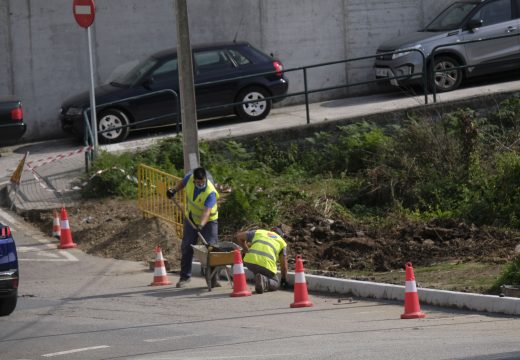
(40, 162)
(41, 181)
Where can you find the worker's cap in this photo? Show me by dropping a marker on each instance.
(278, 230)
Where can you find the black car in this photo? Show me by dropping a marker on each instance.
(9, 274)
(117, 104)
(12, 126)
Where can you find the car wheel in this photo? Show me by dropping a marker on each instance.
(448, 78)
(7, 305)
(257, 110)
(109, 119)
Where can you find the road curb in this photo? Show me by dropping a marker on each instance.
(379, 291)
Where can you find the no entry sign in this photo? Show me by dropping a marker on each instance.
(84, 12)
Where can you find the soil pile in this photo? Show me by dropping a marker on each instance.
(117, 229)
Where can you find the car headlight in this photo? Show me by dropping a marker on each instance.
(405, 52)
(72, 111)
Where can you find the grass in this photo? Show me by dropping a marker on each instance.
(465, 277)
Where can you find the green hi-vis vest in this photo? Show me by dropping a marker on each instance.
(196, 207)
(265, 249)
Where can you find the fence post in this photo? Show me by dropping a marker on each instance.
(306, 95)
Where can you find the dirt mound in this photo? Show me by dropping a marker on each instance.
(332, 245)
(117, 229)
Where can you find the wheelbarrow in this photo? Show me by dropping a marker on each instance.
(215, 258)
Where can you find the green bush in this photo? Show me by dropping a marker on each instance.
(113, 176)
(510, 275)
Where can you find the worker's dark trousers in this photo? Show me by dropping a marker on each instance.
(190, 237)
(272, 280)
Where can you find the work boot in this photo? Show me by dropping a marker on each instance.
(260, 285)
(182, 282)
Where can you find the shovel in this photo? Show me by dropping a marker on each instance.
(206, 244)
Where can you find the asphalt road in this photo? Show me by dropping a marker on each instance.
(75, 306)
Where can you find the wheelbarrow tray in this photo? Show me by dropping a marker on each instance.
(215, 258)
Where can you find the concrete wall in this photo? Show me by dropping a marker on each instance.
(45, 59)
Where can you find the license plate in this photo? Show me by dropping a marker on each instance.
(382, 72)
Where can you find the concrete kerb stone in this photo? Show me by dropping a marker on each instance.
(378, 291)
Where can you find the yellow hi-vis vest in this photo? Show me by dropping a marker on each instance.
(265, 249)
(196, 207)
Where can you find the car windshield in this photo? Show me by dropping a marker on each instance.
(136, 73)
(452, 17)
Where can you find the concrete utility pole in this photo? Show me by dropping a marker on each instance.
(187, 89)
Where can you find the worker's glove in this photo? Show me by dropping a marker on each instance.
(284, 284)
(170, 193)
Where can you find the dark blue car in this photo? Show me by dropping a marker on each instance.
(9, 273)
(117, 105)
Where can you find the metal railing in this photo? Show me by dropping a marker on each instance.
(306, 92)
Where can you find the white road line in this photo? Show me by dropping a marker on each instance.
(8, 217)
(75, 351)
(168, 338)
(69, 256)
(27, 249)
(45, 251)
(51, 260)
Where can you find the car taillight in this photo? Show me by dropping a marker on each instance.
(6, 232)
(278, 67)
(15, 283)
(17, 114)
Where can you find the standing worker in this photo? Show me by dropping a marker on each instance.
(201, 209)
(263, 248)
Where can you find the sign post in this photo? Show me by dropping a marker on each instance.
(84, 12)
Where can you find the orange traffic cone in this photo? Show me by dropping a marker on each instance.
(66, 236)
(239, 277)
(56, 228)
(412, 310)
(159, 273)
(301, 296)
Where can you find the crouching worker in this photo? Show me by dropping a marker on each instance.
(263, 248)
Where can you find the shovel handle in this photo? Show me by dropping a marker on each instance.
(190, 222)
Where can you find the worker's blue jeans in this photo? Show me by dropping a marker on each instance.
(190, 237)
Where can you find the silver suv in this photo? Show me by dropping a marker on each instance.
(461, 21)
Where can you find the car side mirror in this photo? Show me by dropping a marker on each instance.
(147, 83)
(474, 24)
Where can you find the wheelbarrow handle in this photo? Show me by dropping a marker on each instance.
(191, 222)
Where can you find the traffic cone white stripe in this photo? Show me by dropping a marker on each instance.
(160, 271)
(65, 224)
(299, 277)
(238, 268)
(410, 286)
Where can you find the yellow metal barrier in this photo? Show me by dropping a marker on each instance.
(151, 196)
